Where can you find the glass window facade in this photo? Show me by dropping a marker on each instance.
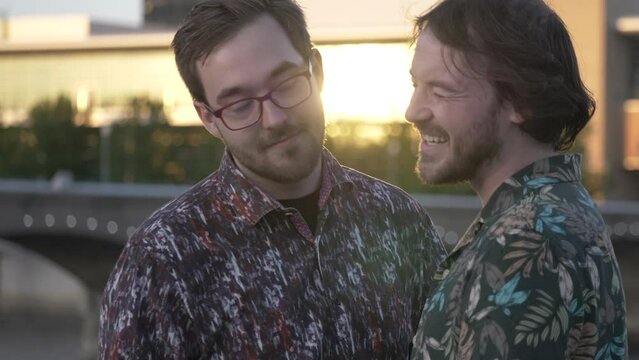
(102, 82)
(96, 80)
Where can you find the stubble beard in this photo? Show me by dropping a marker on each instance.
(477, 148)
(291, 164)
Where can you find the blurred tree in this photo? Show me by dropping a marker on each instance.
(142, 110)
(18, 153)
(131, 149)
(143, 147)
(59, 143)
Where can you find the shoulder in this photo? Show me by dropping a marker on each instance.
(561, 212)
(177, 220)
(382, 192)
(547, 232)
(387, 204)
(568, 215)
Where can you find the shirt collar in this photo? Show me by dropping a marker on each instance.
(333, 177)
(552, 170)
(249, 203)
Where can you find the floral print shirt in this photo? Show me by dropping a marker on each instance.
(225, 272)
(535, 277)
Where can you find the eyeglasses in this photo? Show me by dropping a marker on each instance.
(246, 112)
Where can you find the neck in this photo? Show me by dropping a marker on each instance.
(288, 190)
(514, 156)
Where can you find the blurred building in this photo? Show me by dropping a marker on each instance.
(621, 98)
(102, 67)
(168, 12)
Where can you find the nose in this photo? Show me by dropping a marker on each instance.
(418, 109)
(273, 116)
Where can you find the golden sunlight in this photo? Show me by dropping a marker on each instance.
(368, 82)
(362, 82)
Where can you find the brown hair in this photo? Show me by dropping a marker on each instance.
(530, 57)
(212, 22)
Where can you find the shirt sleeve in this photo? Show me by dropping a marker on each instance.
(142, 314)
(523, 300)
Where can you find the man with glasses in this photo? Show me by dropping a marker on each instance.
(282, 252)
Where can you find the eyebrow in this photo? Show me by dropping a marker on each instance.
(438, 83)
(282, 68)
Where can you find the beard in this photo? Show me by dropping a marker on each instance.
(290, 163)
(470, 151)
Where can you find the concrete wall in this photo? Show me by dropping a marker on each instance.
(30, 282)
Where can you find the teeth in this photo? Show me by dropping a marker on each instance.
(434, 139)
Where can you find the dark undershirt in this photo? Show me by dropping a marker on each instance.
(307, 206)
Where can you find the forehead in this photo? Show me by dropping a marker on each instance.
(433, 59)
(248, 57)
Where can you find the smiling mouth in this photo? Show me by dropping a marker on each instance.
(431, 140)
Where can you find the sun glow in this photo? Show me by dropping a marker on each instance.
(367, 82)
(362, 82)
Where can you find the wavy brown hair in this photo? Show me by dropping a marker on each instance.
(210, 23)
(530, 61)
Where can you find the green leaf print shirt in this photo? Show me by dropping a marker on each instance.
(534, 277)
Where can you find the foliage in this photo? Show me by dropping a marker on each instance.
(49, 143)
(142, 110)
(142, 147)
(162, 154)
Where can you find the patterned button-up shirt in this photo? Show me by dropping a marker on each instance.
(225, 272)
(535, 277)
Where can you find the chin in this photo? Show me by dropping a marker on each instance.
(425, 176)
(431, 174)
(292, 169)
(291, 173)
(426, 172)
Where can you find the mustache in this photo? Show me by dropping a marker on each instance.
(429, 129)
(273, 136)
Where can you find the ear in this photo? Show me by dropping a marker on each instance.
(207, 118)
(514, 116)
(318, 67)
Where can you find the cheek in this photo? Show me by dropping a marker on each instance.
(311, 111)
(447, 114)
(457, 113)
(239, 139)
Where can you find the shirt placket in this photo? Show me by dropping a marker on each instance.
(303, 229)
(444, 268)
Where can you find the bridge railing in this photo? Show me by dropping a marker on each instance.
(451, 213)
